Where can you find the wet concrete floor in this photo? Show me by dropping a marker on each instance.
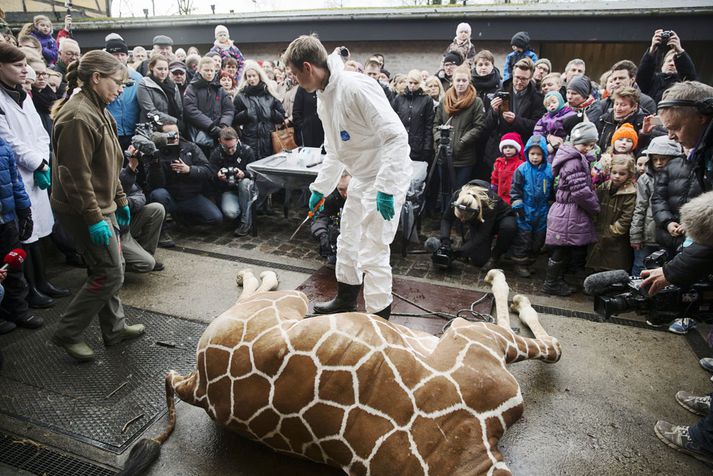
(591, 413)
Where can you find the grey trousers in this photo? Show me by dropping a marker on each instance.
(99, 296)
(139, 245)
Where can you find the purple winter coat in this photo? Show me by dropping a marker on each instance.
(570, 221)
(553, 123)
(49, 47)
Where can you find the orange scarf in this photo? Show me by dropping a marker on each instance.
(455, 104)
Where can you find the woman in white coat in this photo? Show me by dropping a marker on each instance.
(21, 127)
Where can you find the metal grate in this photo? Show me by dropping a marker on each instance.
(590, 316)
(93, 402)
(26, 456)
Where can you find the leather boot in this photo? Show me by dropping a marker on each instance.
(554, 282)
(42, 283)
(36, 299)
(345, 301)
(385, 313)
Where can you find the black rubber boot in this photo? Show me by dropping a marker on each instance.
(385, 313)
(554, 283)
(345, 301)
(42, 283)
(36, 299)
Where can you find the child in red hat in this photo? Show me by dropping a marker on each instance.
(501, 179)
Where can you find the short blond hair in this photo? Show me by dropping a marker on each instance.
(305, 49)
(205, 60)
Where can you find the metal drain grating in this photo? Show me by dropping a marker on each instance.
(93, 402)
(26, 456)
(590, 316)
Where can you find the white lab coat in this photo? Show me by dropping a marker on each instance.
(363, 135)
(22, 129)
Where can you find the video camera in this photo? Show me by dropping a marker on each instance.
(615, 292)
(442, 254)
(230, 173)
(153, 124)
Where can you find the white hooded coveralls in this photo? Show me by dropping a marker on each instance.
(363, 135)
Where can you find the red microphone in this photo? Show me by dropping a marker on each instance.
(14, 259)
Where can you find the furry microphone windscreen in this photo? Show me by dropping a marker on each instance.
(598, 283)
(432, 244)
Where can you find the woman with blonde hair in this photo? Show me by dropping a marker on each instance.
(434, 89)
(88, 199)
(415, 109)
(258, 109)
(488, 224)
(463, 110)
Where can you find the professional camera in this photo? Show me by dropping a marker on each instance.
(343, 51)
(665, 36)
(443, 257)
(230, 173)
(153, 124)
(445, 131)
(615, 293)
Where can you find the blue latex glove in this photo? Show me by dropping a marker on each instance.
(42, 178)
(314, 200)
(385, 205)
(123, 216)
(100, 233)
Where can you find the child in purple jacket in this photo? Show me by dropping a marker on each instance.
(570, 221)
(42, 30)
(551, 124)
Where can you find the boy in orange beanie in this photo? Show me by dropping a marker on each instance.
(623, 142)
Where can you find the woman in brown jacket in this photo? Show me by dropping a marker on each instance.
(88, 199)
(463, 110)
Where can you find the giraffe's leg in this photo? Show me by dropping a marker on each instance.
(269, 281)
(543, 346)
(248, 281)
(528, 316)
(496, 279)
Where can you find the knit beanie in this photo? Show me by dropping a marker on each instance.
(453, 57)
(580, 85)
(512, 139)
(221, 29)
(546, 62)
(584, 133)
(626, 131)
(521, 39)
(662, 145)
(116, 45)
(560, 99)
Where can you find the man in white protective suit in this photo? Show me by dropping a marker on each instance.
(363, 135)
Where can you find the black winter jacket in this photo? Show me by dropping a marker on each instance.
(694, 263)
(655, 83)
(207, 105)
(530, 110)
(241, 158)
(486, 85)
(675, 186)
(180, 186)
(415, 109)
(134, 194)
(332, 209)
(308, 127)
(256, 113)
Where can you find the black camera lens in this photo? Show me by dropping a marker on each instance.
(344, 51)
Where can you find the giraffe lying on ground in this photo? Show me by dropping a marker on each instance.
(358, 392)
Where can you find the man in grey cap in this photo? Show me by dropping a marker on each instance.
(179, 75)
(162, 45)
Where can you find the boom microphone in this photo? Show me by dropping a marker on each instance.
(432, 244)
(598, 283)
(159, 139)
(14, 259)
(143, 145)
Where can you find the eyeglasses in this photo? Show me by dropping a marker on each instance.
(520, 79)
(121, 83)
(71, 53)
(41, 75)
(179, 72)
(445, 65)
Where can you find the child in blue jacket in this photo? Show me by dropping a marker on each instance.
(520, 49)
(530, 197)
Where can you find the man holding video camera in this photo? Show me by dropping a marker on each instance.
(686, 110)
(177, 173)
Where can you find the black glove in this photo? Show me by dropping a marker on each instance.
(520, 212)
(325, 248)
(214, 132)
(24, 223)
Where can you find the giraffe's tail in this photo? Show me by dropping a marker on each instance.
(146, 452)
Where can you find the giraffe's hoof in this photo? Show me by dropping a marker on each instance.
(241, 275)
(519, 302)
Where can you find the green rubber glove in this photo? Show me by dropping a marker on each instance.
(123, 216)
(42, 178)
(314, 200)
(385, 205)
(99, 233)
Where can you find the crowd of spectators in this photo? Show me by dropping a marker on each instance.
(522, 131)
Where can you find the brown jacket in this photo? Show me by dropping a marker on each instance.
(88, 158)
(613, 250)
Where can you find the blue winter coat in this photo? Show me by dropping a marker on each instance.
(125, 109)
(532, 188)
(12, 191)
(513, 58)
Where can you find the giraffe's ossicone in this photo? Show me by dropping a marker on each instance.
(358, 392)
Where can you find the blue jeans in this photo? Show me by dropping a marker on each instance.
(236, 203)
(702, 432)
(639, 256)
(197, 210)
